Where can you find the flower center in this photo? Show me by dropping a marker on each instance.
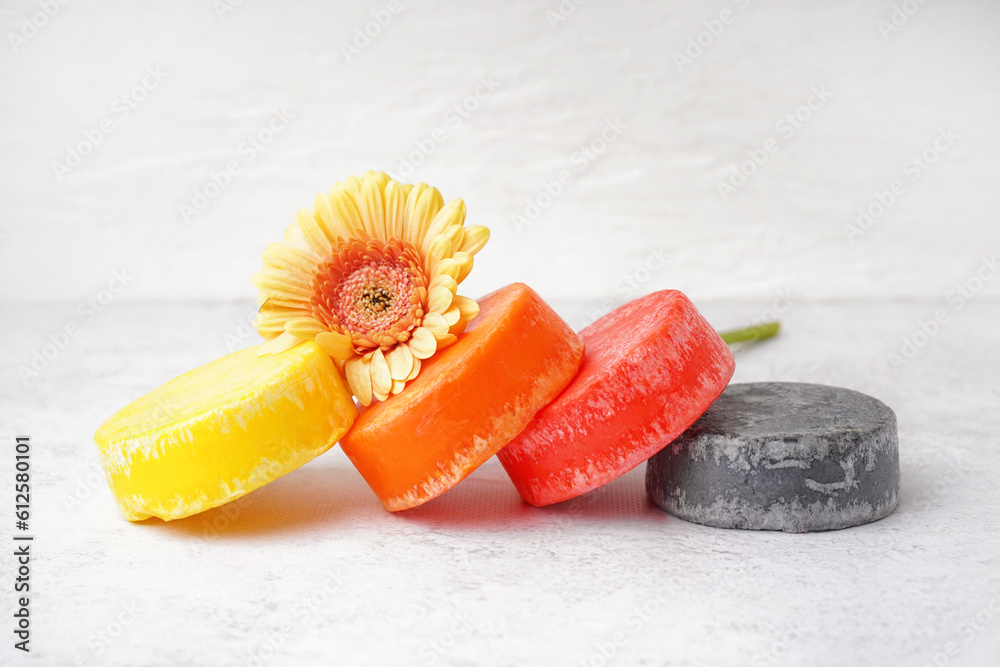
(374, 296)
(372, 290)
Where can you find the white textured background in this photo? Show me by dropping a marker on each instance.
(654, 187)
(477, 577)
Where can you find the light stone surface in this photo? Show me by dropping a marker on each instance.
(477, 577)
(789, 456)
(518, 585)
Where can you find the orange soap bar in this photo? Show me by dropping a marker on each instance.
(468, 401)
(652, 368)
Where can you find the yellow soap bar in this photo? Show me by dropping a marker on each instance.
(223, 430)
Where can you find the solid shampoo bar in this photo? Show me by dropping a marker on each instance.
(651, 368)
(468, 401)
(782, 456)
(223, 430)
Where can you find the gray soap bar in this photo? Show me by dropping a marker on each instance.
(782, 456)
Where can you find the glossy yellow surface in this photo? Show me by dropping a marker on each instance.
(223, 430)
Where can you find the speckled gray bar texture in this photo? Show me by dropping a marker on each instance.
(782, 456)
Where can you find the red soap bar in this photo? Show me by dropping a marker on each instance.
(650, 369)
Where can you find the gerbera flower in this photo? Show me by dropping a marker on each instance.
(371, 275)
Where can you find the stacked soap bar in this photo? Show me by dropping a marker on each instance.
(651, 368)
(223, 430)
(782, 456)
(468, 401)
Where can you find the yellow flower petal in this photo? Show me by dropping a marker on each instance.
(395, 210)
(372, 210)
(291, 279)
(281, 284)
(444, 340)
(413, 193)
(279, 343)
(400, 361)
(295, 238)
(422, 343)
(452, 315)
(439, 299)
(468, 308)
(304, 327)
(465, 263)
(380, 178)
(397, 386)
(436, 323)
(289, 258)
(443, 280)
(314, 233)
(291, 303)
(440, 248)
(381, 379)
(274, 308)
(447, 267)
(337, 345)
(269, 326)
(352, 186)
(474, 237)
(426, 203)
(359, 378)
(454, 236)
(451, 216)
(344, 212)
(332, 221)
(415, 370)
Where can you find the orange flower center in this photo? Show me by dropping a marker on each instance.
(371, 290)
(374, 296)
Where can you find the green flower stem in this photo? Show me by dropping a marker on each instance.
(751, 334)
